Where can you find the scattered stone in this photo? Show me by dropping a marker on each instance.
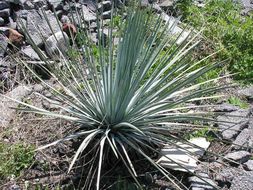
(15, 187)
(247, 92)
(239, 156)
(175, 30)
(21, 14)
(106, 15)
(29, 52)
(5, 14)
(228, 174)
(37, 26)
(56, 4)
(202, 183)
(6, 105)
(89, 16)
(243, 182)
(65, 19)
(249, 165)
(167, 4)
(12, 24)
(1, 21)
(3, 45)
(28, 5)
(104, 6)
(21, 23)
(57, 43)
(15, 37)
(225, 107)
(244, 140)
(232, 123)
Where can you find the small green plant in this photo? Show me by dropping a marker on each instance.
(238, 102)
(204, 132)
(14, 158)
(225, 29)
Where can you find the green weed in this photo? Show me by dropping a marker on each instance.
(238, 102)
(204, 132)
(14, 158)
(225, 28)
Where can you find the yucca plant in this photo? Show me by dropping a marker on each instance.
(127, 100)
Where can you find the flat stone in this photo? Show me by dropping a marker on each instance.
(57, 43)
(247, 92)
(248, 165)
(243, 182)
(6, 105)
(225, 107)
(180, 154)
(30, 52)
(244, 140)
(3, 45)
(205, 183)
(239, 156)
(232, 123)
(38, 28)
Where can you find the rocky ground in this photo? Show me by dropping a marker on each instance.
(234, 142)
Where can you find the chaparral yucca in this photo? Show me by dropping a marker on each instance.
(126, 98)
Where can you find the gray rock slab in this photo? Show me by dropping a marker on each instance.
(38, 28)
(248, 165)
(57, 43)
(238, 156)
(7, 112)
(247, 92)
(56, 4)
(247, 3)
(243, 182)
(244, 140)
(3, 45)
(202, 183)
(89, 15)
(225, 107)
(29, 52)
(228, 174)
(232, 123)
